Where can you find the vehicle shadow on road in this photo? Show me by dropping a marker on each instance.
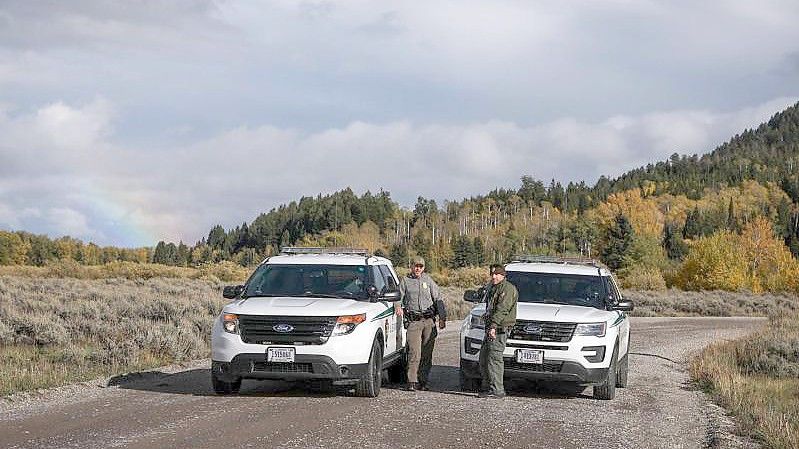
(194, 382)
(197, 382)
(446, 379)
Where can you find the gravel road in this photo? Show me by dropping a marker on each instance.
(176, 408)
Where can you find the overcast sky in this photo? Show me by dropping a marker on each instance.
(125, 123)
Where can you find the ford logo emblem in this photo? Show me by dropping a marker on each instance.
(533, 329)
(283, 328)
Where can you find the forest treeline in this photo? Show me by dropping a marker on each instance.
(665, 224)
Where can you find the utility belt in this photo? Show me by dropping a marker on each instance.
(418, 316)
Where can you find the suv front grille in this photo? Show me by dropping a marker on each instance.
(542, 331)
(309, 330)
(273, 367)
(546, 367)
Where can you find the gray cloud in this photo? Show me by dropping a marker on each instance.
(128, 122)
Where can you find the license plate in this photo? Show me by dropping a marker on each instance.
(280, 355)
(530, 356)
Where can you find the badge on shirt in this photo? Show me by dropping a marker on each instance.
(424, 284)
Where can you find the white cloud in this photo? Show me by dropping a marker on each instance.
(179, 193)
(72, 222)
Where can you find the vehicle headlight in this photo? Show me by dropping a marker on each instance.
(590, 330)
(477, 322)
(230, 323)
(345, 324)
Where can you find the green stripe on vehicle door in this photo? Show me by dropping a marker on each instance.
(385, 313)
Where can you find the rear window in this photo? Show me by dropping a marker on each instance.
(552, 288)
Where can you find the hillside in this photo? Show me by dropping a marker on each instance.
(649, 217)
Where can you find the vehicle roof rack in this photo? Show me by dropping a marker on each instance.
(323, 250)
(565, 260)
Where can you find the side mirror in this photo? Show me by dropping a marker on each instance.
(623, 306)
(372, 292)
(232, 291)
(473, 295)
(392, 296)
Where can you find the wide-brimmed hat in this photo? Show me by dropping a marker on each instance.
(497, 269)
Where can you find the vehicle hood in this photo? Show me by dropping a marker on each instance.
(293, 306)
(561, 313)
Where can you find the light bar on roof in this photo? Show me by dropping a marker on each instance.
(323, 250)
(566, 260)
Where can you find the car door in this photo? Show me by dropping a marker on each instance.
(395, 325)
(624, 326)
(386, 317)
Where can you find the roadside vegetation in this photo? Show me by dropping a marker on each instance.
(757, 380)
(101, 321)
(54, 331)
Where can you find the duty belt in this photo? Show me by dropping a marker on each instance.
(417, 316)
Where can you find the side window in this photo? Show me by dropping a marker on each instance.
(390, 281)
(380, 282)
(616, 289)
(613, 290)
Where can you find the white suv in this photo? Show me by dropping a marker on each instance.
(313, 314)
(571, 326)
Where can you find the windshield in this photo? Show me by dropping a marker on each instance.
(552, 288)
(335, 281)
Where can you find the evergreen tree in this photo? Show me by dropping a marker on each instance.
(478, 252)
(216, 237)
(673, 243)
(693, 225)
(618, 241)
(461, 252)
(399, 255)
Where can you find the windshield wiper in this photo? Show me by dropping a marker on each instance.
(258, 295)
(552, 301)
(321, 295)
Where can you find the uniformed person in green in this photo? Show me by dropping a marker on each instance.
(421, 301)
(500, 317)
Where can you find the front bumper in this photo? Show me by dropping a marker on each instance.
(563, 371)
(305, 367)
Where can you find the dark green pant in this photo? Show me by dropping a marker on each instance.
(492, 367)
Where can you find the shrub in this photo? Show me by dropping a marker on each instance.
(642, 278)
(6, 334)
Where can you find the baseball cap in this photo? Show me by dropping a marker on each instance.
(417, 260)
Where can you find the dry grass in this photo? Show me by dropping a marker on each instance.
(714, 303)
(756, 379)
(219, 272)
(54, 331)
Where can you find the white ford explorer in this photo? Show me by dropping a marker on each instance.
(312, 314)
(571, 326)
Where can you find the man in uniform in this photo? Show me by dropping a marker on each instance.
(421, 301)
(500, 317)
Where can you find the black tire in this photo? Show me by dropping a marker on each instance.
(468, 383)
(607, 390)
(621, 377)
(398, 372)
(369, 385)
(225, 388)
